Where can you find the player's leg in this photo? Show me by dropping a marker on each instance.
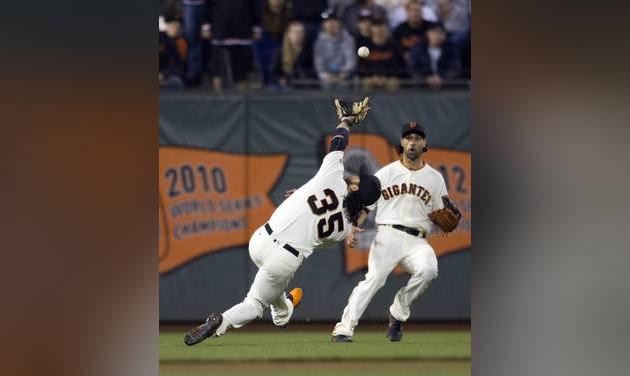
(269, 286)
(263, 291)
(282, 308)
(250, 307)
(421, 263)
(384, 255)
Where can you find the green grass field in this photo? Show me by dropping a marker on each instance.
(310, 353)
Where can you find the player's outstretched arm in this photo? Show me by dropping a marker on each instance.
(341, 137)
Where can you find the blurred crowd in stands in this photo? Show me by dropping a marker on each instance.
(285, 44)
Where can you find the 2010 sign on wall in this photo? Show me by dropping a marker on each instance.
(211, 201)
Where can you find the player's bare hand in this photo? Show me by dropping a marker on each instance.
(353, 235)
(289, 192)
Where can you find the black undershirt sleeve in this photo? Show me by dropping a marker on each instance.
(340, 139)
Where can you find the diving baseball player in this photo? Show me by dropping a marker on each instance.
(413, 199)
(323, 209)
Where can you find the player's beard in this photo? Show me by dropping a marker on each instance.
(352, 207)
(412, 154)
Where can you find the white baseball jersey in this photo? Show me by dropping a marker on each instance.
(314, 213)
(408, 196)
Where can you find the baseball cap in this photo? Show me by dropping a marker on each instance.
(328, 14)
(378, 20)
(413, 127)
(365, 14)
(369, 189)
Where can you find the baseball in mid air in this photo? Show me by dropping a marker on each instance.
(363, 52)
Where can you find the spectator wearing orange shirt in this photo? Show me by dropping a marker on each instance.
(384, 66)
(413, 31)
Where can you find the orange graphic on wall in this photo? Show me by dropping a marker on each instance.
(454, 165)
(211, 201)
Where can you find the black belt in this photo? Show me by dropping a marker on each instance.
(286, 246)
(409, 230)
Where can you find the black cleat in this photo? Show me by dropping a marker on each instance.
(394, 329)
(341, 338)
(204, 330)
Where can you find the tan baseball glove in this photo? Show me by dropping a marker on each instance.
(353, 112)
(448, 217)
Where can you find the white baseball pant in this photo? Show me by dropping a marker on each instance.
(276, 267)
(391, 247)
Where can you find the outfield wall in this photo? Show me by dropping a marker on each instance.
(225, 163)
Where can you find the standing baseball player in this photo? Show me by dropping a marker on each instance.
(326, 208)
(413, 199)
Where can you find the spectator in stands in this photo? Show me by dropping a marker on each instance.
(455, 15)
(206, 40)
(413, 31)
(362, 38)
(340, 6)
(389, 5)
(351, 16)
(310, 13)
(431, 59)
(275, 17)
(173, 51)
(393, 7)
(335, 56)
(294, 60)
(465, 57)
(194, 15)
(397, 11)
(385, 65)
(234, 25)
